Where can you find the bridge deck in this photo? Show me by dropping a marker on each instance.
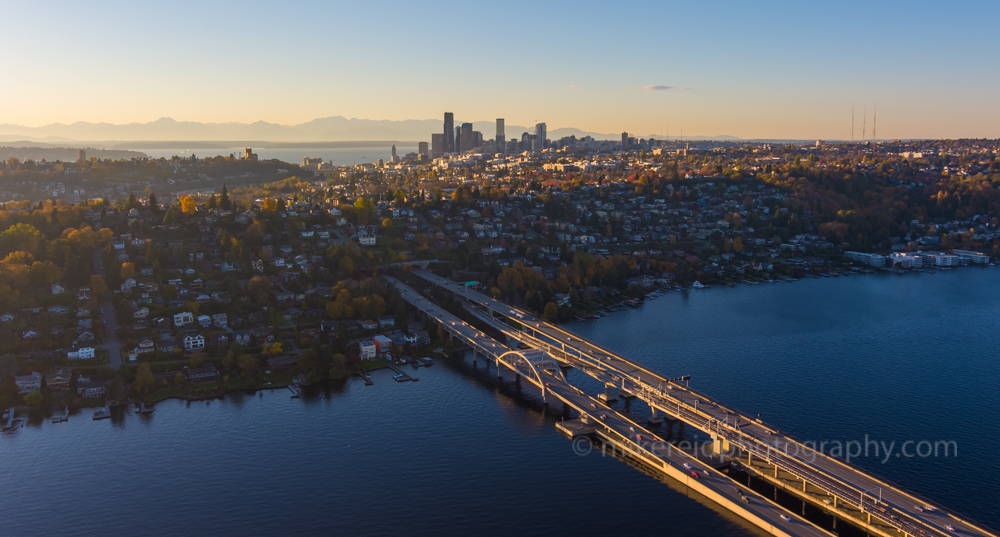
(896, 507)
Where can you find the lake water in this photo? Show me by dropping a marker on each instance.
(342, 156)
(896, 357)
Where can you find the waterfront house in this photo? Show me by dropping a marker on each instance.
(202, 374)
(29, 383)
(368, 349)
(58, 382)
(89, 389)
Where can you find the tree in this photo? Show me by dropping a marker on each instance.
(309, 361)
(224, 198)
(34, 399)
(197, 359)
(179, 378)
(23, 237)
(248, 366)
(551, 312)
(738, 244)
(144, 378)
(188, 206)
(97, 285)
(152, 203)
(172, 216)
(127, 271)
(259, 287)
(387, 223)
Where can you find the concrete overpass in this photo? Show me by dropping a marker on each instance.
(832, 484)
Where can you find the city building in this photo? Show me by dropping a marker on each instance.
(449, 132)
(541, 135)
(437, 145)
(501, 139)
(874, 260)
(368, 349)
(624, 141)
(422, 148)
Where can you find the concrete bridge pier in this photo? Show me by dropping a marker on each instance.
(654, 419)
(720, 444)
(610, 393)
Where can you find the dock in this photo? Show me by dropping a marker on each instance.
(143, 409)
(59, 418)
(9, 415)
(296, 393)
(400, 376)
(364, 375)
(103, 413)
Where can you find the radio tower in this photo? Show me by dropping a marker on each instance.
(875, 122)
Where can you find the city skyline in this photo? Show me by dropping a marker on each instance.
(753, 72)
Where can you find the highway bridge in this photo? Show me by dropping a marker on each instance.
(629, 437)
(767, 453)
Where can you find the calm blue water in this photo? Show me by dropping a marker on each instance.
(896, 357)
(342, 156)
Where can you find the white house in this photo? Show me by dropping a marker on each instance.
(368, 350)
(366, 240)
(83, 353)
(183, 318)
(204, 321)
(196, 341)
(58, 289)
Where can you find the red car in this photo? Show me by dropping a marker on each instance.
(695, 474)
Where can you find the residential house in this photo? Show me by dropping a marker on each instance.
(192, 342)
(58, 382)
(202, 374)
(243, 337)
(386, 321)
(140, 313)
(89, 389)
(368, 349)
(58, 289)
(183, 318)
(83, 353)
(220, 320)
(204, 321)
(29, 383)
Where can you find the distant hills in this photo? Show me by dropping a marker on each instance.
(328, 129)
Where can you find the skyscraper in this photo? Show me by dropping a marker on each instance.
(437, 145)
(422, 148)
(449, 132)
(540, 136)
(624, 141)
(501, 140)
(467, 139)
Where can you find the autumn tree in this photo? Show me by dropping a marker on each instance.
(551, 312)
(188, 205)
(127, 271)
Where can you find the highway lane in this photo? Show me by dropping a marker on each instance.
(643, 442)
(803, 460)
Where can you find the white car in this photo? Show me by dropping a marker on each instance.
(785, 518)
(688, 466)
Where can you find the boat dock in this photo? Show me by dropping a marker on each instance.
(422, 362)
(59, 418)
(9, 416)
(400, 376)
(296, 392)
(103, 413)
(364, 375)
(143, 409)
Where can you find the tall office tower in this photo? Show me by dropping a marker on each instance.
(394, 151)
(422, 148)
(82, 156)
(540, 136)
(624, 141)
(449, 132)
(437, 145)
(466, 137)
(526, 142)
(501, 142)
(477, 139)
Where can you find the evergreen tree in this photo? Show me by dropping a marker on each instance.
(224, 199)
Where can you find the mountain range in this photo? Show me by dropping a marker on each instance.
(328, 129)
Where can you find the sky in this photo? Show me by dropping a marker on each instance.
(789, 70)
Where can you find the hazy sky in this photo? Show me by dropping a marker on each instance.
(748, 69)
